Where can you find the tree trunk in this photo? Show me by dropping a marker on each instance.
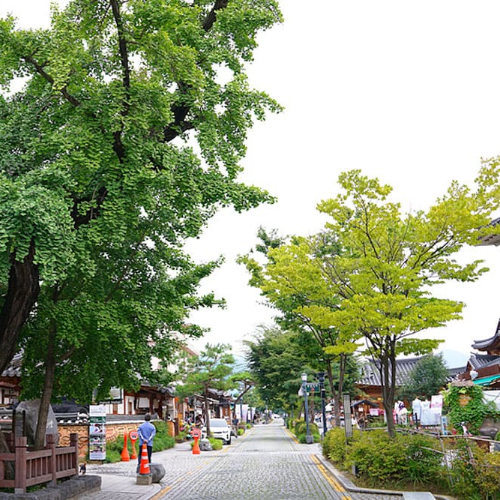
(207, 414)
(48, 388)
(22, 294)
(388, 379)
(335, 395)
(342, 368)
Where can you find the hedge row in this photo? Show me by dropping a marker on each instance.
(416, 461)
(162, 441)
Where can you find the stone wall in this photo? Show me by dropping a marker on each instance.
(113, 430)
(83, 437)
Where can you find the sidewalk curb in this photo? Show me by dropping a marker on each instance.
(348, 485)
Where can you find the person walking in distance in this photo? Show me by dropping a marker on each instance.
(146, 433)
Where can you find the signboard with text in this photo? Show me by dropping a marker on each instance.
(97, 432)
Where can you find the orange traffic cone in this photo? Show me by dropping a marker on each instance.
(125, 454)
(144, 469)
(196, 447)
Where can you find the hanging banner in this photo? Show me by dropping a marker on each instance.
(97, 432)
(437, 407)
(242, 409)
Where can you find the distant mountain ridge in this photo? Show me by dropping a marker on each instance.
(455, 359)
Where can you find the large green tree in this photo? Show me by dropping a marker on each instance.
(123, 142)
(427, 378)
(276, 362)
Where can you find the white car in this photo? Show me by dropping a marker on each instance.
(219, 429)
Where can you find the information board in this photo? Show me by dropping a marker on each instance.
(97, 432)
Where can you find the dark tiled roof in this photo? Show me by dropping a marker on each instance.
(481, 360)
(364, 402)
(493, 342)
(72, 418)
(14, 368)
(491, 239)
(403, 369)
(453, 373)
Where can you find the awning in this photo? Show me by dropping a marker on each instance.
(487, 380)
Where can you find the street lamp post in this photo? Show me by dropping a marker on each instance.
(321, 378)
(309, 438)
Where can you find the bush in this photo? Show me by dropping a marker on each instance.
(216, 443)
(162, 441)
(248, 426)
(475, 479)
(181, 437)
(112, 456)
(241, 432)
(300, 427)
(335, 445)
(378, 458)
(302, 438)
(114, 449)
(423, 463)
(473, 413)
(300, 431)
(381, 459)
(297, 426)
(487, 471)
(411, 460)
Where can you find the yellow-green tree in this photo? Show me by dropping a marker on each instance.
(290, 279)
(369, 275)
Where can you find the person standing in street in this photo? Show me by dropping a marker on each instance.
(146, 433)
(234, 423)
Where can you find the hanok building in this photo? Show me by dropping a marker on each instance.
(484, 368)
(10, 382)
(371, 383)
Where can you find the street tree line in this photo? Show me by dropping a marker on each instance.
(124, 141)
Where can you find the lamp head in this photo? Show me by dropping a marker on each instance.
(304, 377)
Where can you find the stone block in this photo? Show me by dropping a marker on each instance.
(144, 479)
(205, 445)
(418, 495)
(157, 471)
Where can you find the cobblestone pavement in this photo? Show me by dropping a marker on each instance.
(264, 464)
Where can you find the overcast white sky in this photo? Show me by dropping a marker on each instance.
(406, 91)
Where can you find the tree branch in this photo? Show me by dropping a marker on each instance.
(180, 112)
(212, 15)
(124, 61)
(64, 91)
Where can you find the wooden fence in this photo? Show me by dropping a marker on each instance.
(38, 467)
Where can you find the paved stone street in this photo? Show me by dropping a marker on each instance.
(265, 464)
